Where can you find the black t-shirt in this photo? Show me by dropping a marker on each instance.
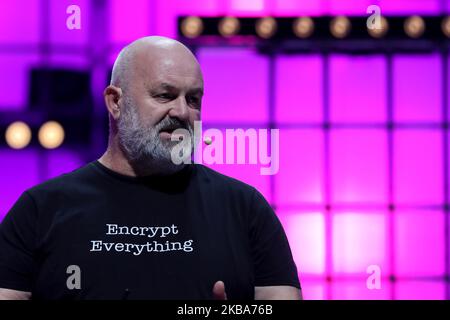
(96, 234)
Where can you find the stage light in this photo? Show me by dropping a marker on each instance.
(18, 135)
(414, 26)
(445, 25)
(266, 27)
(303, 27)
(51, 135)
(340, 27)
(192, 27)
(355, 34)
(229, 26)
(380, 32)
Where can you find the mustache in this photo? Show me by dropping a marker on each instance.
(172, 124)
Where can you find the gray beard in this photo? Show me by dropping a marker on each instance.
(146, 152)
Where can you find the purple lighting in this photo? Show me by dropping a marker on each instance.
(14, 79)
(358, 89)
(19, 24)
(59, 33)
(301, 228)
(299, 91)
(122, 13)
(357, 290)
(300, 178)
(18, 171)
(62, 161)
(359, 240)
(421, 290)
(359, 166)
(418, 176)
(419, 243)
(421, 75)
(228, 95)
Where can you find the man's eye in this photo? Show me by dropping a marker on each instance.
(165, 96)
(194, 101)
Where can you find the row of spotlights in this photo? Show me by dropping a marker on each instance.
(303, 27)
(50, 135)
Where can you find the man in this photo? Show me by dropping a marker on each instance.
(135, 225)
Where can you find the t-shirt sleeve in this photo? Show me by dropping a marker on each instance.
(17, 245)
(272, 256)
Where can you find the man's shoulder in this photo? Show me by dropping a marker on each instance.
(62, 181)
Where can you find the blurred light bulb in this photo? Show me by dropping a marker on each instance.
(229, 26)
(303, 27)
(445, 25)
(18, 135)
(51, 135)
(192, 27)
(380, 32)
(340, 27)
(414, 26)
(266, 27)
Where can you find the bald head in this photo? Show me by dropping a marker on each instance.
(145, 55)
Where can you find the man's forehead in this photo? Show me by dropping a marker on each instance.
(176, 87)
(176, 81)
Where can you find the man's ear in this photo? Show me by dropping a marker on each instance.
(112, 96)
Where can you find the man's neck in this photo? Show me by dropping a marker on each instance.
(115, 160)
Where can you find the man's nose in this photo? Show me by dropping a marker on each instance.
(180, 110)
